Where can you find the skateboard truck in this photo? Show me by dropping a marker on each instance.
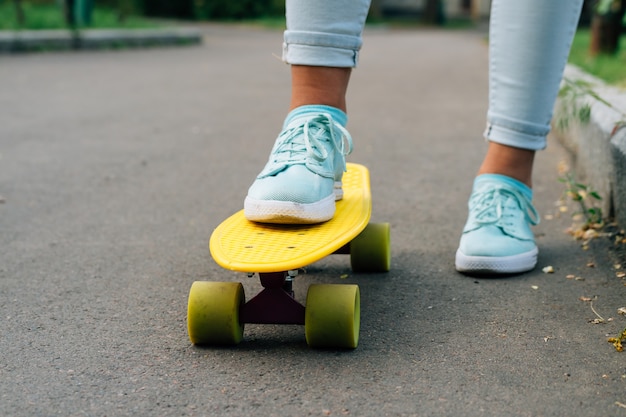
(275, 304)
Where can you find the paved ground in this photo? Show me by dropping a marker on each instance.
(116, 166)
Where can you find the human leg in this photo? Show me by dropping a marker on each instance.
(529, 45)
(319, 85)
(302, 178)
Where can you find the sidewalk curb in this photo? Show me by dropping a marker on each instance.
(30, 41)
(598, 147)
(618, 149)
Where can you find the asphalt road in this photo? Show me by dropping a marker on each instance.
(116, 166)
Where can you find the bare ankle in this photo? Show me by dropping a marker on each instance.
(319, 85)
(506, 160)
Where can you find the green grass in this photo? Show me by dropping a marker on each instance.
(611, 69)
(50, 16)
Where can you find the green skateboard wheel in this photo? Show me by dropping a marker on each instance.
(213, 313)
(332, 316)
(370, 251)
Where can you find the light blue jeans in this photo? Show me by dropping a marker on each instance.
(529, 42)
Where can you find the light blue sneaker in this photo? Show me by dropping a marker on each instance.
(302, 179)
(497, 237)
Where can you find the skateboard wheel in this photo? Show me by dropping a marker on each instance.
(213, 313)
(332, 316)
(370, 251)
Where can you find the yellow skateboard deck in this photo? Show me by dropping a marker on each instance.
(241, 245)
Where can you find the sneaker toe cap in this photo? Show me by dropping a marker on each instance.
(295, 184)
(492, 241)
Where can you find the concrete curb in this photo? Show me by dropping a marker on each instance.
(618, 151)
(597, 147)
(29, 41)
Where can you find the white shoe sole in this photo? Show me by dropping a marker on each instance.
(288, 212)
(496, 264)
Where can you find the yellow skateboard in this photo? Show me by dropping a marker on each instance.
(217, 311)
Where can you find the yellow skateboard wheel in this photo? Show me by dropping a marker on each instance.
(370, 251)
(332, 316)
(213, 313)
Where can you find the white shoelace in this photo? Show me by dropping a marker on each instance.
(490, 207)
(302, 140)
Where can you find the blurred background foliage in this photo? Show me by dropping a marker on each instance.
(36, 14)
(604, 19)
(610, 12)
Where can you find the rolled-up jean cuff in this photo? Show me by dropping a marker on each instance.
(516, 134)
(321, 49)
